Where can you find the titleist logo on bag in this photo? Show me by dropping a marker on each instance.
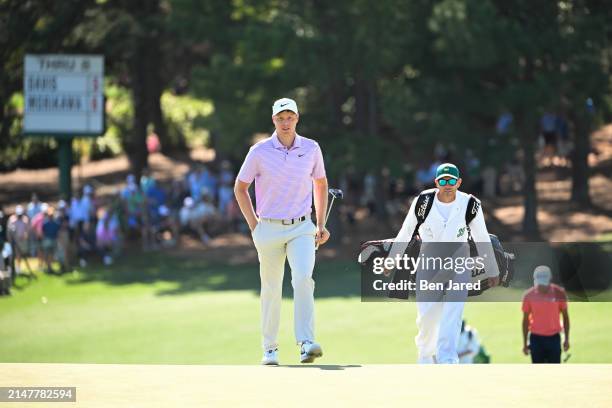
(423, 207)
(475, 207)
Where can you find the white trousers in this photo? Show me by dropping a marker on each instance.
(275, 243)
(439, 325)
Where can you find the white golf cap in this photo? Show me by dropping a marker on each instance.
(283, 105)
(163, 210)
(542, 275)
(19, 210)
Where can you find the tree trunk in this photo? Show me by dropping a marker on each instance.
(372, 109)
(137, 149)
(157, 117)
(530, 198)
(579, 156)
(155, 79)
(147, 85)
(334, 99)
(5, 124)
(361, 105)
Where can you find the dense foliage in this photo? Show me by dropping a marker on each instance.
(378, 82)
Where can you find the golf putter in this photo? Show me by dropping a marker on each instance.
(335, 193)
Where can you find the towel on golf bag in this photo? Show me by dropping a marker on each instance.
(380, 248)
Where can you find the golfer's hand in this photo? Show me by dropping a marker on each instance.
(526, 350)
(566, 345)
(321, 236)
(493, 281)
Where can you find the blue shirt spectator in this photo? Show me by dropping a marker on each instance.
(195, 186)
(504, 122)
(156, 197)
(548, 122)
(34, 206)
(50, 228)
(209, 182)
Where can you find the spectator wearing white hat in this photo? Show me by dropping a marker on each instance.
(82, 213)
(82, 209)
(542, 305)
(185, 211)
(166, 230)
(5, 257)
(197, 216)
(64, 240)
(130, 186)
(192, 180)
(34, 206)
(87, 209)
(50, 231)
(226, 187)
(108, 237)
(73, 212)
(36, 232)
(17, 233)
(155, 197)
(33, 210)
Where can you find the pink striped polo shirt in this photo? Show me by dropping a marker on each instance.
(283, 176)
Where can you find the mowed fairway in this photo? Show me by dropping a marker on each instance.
(160, 309)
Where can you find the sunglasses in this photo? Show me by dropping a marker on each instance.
(450, 182)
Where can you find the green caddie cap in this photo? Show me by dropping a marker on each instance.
(447, 170)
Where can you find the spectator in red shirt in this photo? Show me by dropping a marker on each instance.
(542, 305)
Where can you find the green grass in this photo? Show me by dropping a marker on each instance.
(162, 309)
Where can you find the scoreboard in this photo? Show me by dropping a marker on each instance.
(63, 94)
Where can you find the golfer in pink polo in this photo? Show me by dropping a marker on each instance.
(288, 170)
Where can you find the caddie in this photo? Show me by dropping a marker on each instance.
(288, 170)
(444, 229)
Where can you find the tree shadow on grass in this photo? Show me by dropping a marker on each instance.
(333, 278)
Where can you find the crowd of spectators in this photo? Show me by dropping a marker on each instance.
(143, 211)
(387, 192)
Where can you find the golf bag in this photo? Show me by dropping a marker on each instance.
(380, 248)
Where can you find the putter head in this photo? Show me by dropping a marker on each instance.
(336, 193)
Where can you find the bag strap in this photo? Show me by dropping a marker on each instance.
(422, 208)
(470, 213)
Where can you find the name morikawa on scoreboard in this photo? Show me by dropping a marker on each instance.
(63, 94)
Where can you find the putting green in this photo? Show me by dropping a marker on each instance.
(512, 386)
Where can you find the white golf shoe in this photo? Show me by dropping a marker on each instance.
(309, 351)
(270, 357)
